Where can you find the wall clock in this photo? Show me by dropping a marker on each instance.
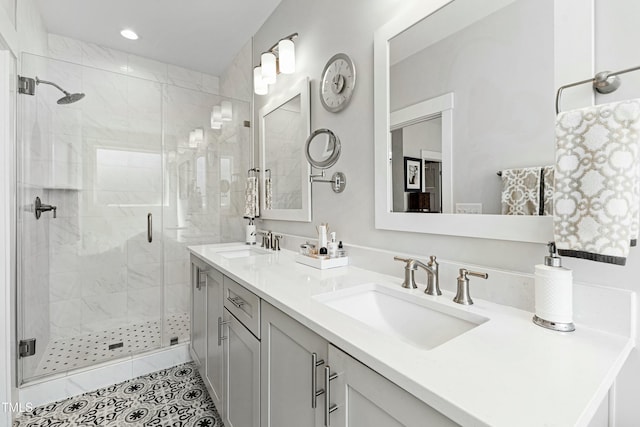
(338, 82)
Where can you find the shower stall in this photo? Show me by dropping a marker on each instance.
(112, 187)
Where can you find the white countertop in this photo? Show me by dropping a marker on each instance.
(504, 372)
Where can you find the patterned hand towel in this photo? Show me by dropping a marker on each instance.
(548, 178)
(521, 191)
(251, 206)
(268, 193)
(597, 181)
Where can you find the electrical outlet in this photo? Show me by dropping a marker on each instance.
(469, 208)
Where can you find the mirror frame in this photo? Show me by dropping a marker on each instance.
(534, 229)
(304, 213)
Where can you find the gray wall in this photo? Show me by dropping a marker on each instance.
(501, 72)
(323, 32)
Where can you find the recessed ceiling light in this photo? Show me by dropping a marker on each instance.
(129, 34)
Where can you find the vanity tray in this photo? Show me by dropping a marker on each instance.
(322, 263)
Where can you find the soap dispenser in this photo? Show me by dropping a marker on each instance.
(553, 294)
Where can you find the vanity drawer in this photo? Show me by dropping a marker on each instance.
(243, 304)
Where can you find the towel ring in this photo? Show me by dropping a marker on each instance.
(603, 82)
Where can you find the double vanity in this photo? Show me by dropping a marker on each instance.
(282, 344)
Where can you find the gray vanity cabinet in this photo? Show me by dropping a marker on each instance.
(292, 364)
(241, 338)
(214, 366)
(364, 398)
(198, 343)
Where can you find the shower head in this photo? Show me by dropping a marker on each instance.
(68, 98)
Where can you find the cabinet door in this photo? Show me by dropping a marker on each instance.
(213, 372)
(241, 375)
(198, 313)
(288, 372)
(364, 398)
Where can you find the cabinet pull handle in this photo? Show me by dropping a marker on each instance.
(237, 301)
(149, 227)
(201, 278)
(314, 380)
(220, 324)
(328, 407)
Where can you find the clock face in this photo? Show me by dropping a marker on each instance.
(338, 82)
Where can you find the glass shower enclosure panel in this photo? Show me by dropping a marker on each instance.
(90, 269)
(207, 149)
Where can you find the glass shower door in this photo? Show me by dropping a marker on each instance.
(91, 270)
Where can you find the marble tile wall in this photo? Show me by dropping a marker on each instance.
(106, 59)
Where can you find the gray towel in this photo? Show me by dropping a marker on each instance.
(597, 181)
(521, 191)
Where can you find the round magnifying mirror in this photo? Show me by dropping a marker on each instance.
(322, 149)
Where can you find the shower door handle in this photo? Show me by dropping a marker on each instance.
(149, 227)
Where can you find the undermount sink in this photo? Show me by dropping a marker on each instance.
(422, 323)
(241, 252)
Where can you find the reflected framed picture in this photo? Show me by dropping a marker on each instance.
(412, 174)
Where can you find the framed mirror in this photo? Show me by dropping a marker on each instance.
(285, 190)
(474, 83)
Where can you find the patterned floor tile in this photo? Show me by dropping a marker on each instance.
(175, 397)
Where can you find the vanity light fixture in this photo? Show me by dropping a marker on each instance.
(129, 34)
(259, 85)
(280, 58)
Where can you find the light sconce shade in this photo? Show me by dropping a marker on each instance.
(217, 113)
(196, 137)
(216, 117)
(227, 111)
(287, 56)
(259, 86)
(268, 62)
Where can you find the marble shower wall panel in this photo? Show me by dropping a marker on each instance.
(237, 80)
(103, 58)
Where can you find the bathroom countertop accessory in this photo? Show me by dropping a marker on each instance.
(553, 294)
(462, 295)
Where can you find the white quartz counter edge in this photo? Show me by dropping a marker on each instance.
(504, 372)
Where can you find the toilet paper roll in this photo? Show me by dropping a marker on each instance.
(554, 294)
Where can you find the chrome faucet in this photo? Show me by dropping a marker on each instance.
(462, 295)
(270, 240)
(433, 282)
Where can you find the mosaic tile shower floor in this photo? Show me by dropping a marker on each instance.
(88, 349)
(175, 397)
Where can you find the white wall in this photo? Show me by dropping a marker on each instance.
(324, 33)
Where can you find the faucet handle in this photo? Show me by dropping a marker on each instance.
(474, 273)
(407, 260)
(462, 295)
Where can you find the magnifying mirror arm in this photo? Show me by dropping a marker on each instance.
(338, 180)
